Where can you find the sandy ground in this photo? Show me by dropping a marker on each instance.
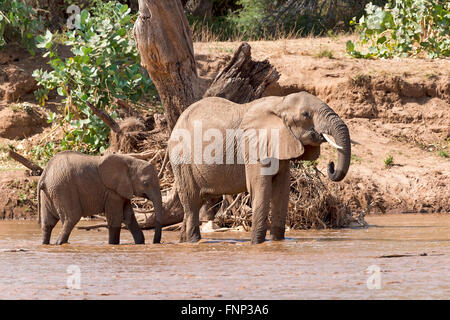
(398, 108)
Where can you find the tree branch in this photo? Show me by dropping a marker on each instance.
(35, 169)
(106, 118)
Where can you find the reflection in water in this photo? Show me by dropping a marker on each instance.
(411, 251)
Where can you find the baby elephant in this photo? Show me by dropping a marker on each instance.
(75, 185)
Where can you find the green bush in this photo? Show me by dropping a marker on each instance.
(271, 19)
(403, 28)
(18, 21)
(268, 19)
(105, 65)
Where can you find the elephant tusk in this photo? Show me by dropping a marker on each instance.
(354, 142)
(331, 141)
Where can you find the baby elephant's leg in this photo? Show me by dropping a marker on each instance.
(69, 210)
(49, 218)
(67, 228)
(114, 217)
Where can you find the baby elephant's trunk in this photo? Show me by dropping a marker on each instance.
(157, 205)
(132, 225)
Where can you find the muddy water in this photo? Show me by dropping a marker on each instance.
(408, 255)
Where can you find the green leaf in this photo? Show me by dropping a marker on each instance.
(350, 46)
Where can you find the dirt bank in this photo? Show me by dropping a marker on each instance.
(18, 195)
(399, 110)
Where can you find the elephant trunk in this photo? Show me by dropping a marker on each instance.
(133, 225)
(158, 208)
(330, 123)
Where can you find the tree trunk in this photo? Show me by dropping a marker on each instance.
(164, 40)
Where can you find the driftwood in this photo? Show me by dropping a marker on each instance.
(35, 169)
(243, 80)
(163, 166)
(95, 226)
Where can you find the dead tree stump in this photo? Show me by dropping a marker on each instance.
(243, 80)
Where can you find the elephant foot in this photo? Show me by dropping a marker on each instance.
(157, 237)
(46, 239)
(139, 240)
(60, 242)
(62, 239)
(257, 239)
(138, 237)
(194, 239)
(114, 235)
(277, 233)
(192, 236)
(195, 235)
(183, 233)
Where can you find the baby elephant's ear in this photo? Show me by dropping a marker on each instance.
(113, 170)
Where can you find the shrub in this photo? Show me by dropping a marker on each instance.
(403, 28)
(388, 161)
(18, 21)
(105, 65)
(268, 19)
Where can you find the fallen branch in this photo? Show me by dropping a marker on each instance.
(106, 118)
(173, 227)
(35, 169)
(95, 226)
(144, 155)
(233, 203)
(163, 166)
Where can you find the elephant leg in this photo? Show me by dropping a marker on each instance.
(70, 212)
(48, 223)
(260, 188)
(114, 235)
(279, 201)
(114, 212)
(67, 228)
(132, 224)
(190, 231)
(49, 218)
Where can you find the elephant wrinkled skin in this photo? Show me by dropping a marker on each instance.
(300, 119)
(74, 185)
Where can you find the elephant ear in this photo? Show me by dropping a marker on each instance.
(113, 170)
(256, 119)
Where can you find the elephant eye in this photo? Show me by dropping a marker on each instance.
(306, 114)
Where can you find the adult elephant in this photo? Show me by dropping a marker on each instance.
(219, 147)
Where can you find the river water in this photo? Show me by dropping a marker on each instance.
(397, 257)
